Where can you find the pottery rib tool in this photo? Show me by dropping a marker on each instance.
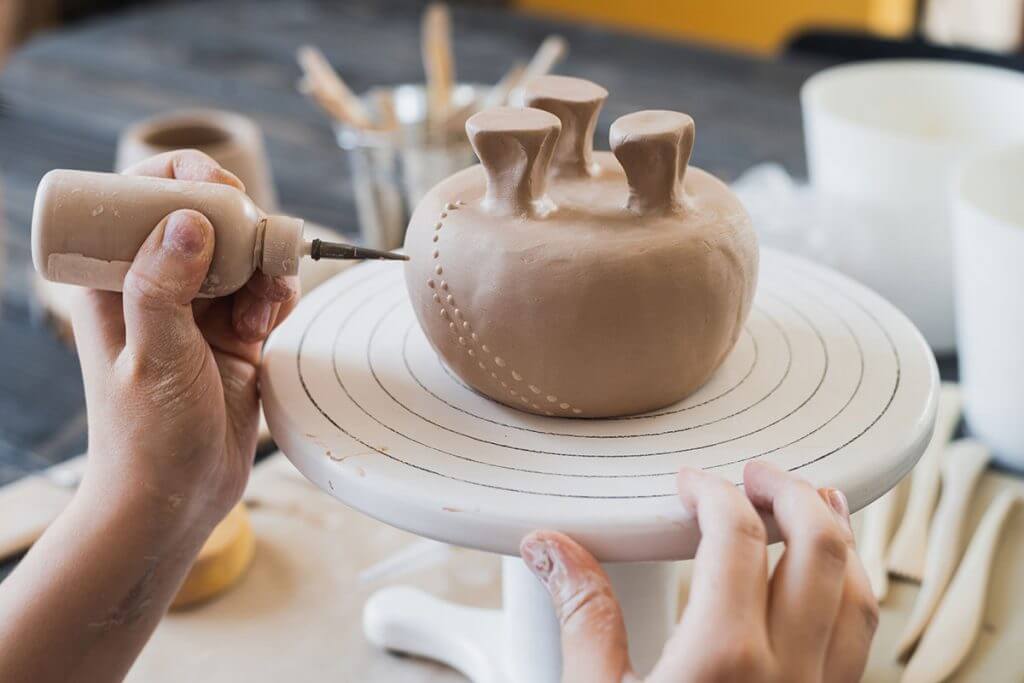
(551, 52)
(963, 465)
(954, 629)
(909, 545)
(326, 85)
(438, 62)
(879, 519)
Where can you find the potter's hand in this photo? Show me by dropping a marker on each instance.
(812, 620)
(170, 385)
(171, 380)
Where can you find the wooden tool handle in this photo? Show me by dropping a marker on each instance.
(654, 148)
(438, 62)
(908, 549)
(551, 51)
(963, 465)
(515, 147)
(878, 521)
(576, 102)
(952, 633)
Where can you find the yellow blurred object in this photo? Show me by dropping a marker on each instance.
(752, 25)
(225, 556)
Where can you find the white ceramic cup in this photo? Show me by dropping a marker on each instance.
(988, 247)
(884, 142)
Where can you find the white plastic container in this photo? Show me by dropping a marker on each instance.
(989, 265)
(884, 142)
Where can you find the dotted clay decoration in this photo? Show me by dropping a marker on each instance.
(567, 282)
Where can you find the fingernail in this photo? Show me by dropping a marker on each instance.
(538, 559)
(184, 234)
(257, 318)
(229, 178)
(837, 499)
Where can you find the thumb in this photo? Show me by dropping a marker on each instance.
(160, 285)
(594, 645)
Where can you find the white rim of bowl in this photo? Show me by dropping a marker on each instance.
(813, 89)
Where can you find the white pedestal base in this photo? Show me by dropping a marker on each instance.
(519, 643)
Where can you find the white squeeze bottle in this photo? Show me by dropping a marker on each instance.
(87, 228)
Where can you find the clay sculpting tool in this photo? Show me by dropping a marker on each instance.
(438, 62)
(909, 545)
(87, 228)
(327, 88)
(879, 518)
(497, 96)
(954, 629)
(551, 52)
(963, 465)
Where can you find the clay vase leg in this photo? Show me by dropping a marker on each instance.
(654, 149)
(576, 103)
(515, 147)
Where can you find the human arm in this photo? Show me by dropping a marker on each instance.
(173, 412)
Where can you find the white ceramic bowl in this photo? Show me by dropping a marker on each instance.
(988, 232)
(884, 141)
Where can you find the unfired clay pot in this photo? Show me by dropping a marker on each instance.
(567, 282)
(233, 140)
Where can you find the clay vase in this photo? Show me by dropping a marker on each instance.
(568, 282)
(233, 140)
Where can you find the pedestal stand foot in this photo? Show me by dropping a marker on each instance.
(520, 643)
(408, 620)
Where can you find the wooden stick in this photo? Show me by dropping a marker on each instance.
(909, 545)
(953, 631)
(498, 94)
(438, 62)
(878, 520)
(551, 51)
(325, 84)
(384, 101)
(963, 465)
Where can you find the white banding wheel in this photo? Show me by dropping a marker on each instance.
(828, 380)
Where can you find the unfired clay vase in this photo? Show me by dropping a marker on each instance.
(568, 282)
(233, 140)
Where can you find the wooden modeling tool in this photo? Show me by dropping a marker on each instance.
(438, 62)
(963, 465)
(499, 92)
(879, 520)
(327, 88)
(909, 545)
(551, 52)
(952, 632)
(384, 103)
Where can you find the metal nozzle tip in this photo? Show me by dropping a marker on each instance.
(335, 250)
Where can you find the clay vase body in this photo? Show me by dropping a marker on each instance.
(570, 283)
(234, 141)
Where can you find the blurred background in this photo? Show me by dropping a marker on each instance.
(857, 177)
(746, 25)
